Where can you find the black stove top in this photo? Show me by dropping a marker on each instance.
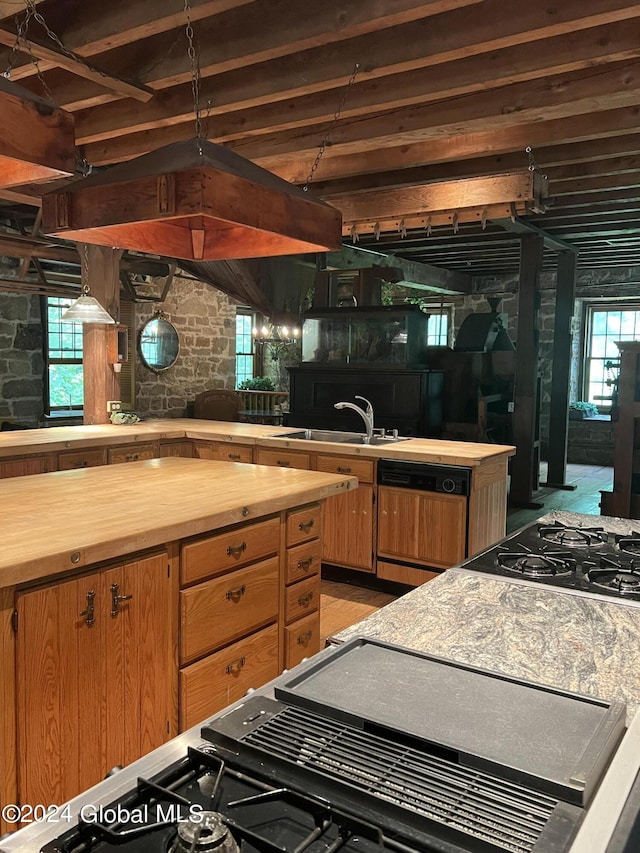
(201, 803)
(586, 559)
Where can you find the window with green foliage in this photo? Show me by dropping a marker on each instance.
(244, 347)
(606, 324)
(64, 357)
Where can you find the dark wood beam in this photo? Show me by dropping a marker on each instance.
(560, 371)
(525, 464)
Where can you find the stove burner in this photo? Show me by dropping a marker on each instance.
(615, 577)
(562, 534)
(629, 543)
(202, 834)
(537, 564)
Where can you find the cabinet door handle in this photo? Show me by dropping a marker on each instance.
(236, 550)
(117, 599)
(343, 469)
(233, 668)
(90, 613)
(306, 599)
(305, 564)
(303, 639)
(305, 526)
(236, 594)
(233, 455)
(284, 463)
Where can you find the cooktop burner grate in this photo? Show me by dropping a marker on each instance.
(571, 537)
(623, 579)
(502, 813)
(536, 564)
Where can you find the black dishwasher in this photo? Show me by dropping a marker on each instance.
(424, 477)
(422, 519)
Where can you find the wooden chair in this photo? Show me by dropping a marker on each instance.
(217, 405)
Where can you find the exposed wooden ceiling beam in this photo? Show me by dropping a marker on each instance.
(282, 104)
(77, 66)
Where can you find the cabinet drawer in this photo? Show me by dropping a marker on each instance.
(182, 449)
(215, 555)
(221, 678)
(283, 458)
(82, 459)
(226, 608)
(360, 468)
(132, 453)
(234, 453)
(302, 561)
(303, 524)
(302, 598)
(301, 640)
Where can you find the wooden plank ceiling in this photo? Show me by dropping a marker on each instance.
(446, 89)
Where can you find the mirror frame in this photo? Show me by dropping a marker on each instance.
(158, 318)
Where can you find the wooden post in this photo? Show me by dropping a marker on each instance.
(101, 271)
(560, 370)
(525, 464)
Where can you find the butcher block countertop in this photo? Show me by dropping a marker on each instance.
(58, 522)
(462, 453)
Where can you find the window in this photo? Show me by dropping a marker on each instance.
(64, 357)
(438, 328)
(244, 347)
(606, 324)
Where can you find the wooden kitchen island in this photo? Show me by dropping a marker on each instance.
(360, 525)
(137, 599)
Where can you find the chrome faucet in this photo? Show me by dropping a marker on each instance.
(367, 416)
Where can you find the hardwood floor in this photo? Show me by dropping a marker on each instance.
(589, 481)
(342, 605)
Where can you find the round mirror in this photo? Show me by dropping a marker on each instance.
(159, 344)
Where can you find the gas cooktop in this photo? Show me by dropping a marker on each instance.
(581, 558)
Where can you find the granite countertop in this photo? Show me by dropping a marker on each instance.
(578, 643)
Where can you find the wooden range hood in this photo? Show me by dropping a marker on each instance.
(193, 200)
(37, 142)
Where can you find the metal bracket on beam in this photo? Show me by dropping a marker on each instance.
(517, 225)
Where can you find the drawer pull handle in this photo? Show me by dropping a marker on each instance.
(305, 526)
(284, 463)
(80, 463)
(236, 594)
(117, 599)
(233, 455)
(233, 668)
(303, 639)
(236, 550)
(131, 457)
(305, 564)
(306, 599)
(89, 613)
(341, 469)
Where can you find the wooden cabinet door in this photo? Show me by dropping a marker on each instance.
(91, 696)
(348, 529)
(421, 527)
(141, 670)
(60, 689)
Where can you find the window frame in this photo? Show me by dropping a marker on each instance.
(49, 360)
(245, 312)
(589, 308)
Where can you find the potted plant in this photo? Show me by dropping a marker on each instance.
(580, 410)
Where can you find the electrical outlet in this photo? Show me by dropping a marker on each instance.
(113, 406)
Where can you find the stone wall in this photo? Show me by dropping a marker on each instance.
(205, 320)
(21, 360)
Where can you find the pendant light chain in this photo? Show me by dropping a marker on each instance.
(22, 28)
(327, 137)
(195, 75)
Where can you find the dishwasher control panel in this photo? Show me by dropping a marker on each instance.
(424, 477)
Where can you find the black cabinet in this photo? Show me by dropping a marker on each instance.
(409, 400)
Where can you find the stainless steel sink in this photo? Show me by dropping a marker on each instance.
(340, 437)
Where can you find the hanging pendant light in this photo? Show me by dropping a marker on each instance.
(37, 142)
(193, 200)
(87, 309)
